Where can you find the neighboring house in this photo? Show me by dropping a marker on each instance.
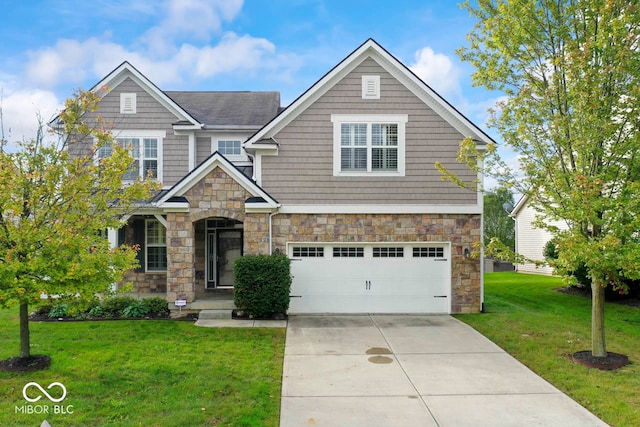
(342, 181)
(530, 240)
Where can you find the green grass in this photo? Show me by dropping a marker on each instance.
(147, 373)
(540, 327)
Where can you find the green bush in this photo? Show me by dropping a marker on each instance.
(157, 306)
(136, 309)
(96, 311)
(263, 283)
(60, 309)
(114, 306)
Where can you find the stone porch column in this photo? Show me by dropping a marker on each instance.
(180, 257)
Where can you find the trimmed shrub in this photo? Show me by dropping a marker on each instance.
(263, 283)
(157, 306)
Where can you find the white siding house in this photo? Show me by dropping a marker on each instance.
(530, 241)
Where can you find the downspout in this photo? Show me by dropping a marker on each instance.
(271, 215)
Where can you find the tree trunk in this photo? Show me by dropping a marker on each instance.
(25, 342)
(598, 347)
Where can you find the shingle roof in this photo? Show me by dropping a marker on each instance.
(229, 108)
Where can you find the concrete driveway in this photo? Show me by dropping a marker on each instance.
(393, 370)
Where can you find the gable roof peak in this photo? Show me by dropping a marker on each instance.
(371, 48)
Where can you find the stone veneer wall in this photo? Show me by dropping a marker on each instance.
(146, 282)
(461, 230)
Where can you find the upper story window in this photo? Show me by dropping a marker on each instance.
(146, 149)
(369, 145)
(229, 148)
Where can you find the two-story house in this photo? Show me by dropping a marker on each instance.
(342, 181)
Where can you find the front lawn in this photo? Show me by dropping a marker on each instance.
(145, 373)
(540, 327)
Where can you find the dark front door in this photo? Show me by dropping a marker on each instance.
(223, 248)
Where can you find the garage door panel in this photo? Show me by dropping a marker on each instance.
(381, 279)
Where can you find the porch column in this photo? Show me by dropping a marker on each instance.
(256, 233)
(180, 257)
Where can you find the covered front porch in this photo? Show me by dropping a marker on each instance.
(190, 236)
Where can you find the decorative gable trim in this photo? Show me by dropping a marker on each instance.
(214, 161)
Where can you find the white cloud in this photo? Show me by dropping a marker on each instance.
(437, 70)
(72, 61)
(168, 53)
(192, 19)
(230, 54)
(20, 109)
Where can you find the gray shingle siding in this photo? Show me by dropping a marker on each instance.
(302, 173)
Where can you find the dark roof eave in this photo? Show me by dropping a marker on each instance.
(232, 127)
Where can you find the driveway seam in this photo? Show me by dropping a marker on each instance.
(373, 320)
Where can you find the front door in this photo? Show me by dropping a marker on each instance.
(223, 248)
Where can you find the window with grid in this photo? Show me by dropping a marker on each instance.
(384, 151)
(308, 252)
(428, 252)
(155, 245)
(369, 144)
(388, 252)
(342, 252)
(353, 139)
(230, 148)
(145, 153)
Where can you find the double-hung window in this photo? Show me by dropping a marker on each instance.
(146, 150)
(369, 145)
(155, 245)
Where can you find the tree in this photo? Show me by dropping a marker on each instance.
(497, 222)
(570, 73)
(55, 209)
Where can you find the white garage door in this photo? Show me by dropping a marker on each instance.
(370, 278)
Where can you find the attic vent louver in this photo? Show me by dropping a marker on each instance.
(127, 103)
(370, 87)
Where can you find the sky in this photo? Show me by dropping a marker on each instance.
(49, 48)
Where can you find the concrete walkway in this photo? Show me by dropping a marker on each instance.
(240, 323)
(385, 370)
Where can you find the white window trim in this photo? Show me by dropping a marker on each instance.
(147, 245)
(123, 102)
(243, 154)
(399, 119)
(159, 135)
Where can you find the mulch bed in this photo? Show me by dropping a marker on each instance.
(35, 362)
(610, 362)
